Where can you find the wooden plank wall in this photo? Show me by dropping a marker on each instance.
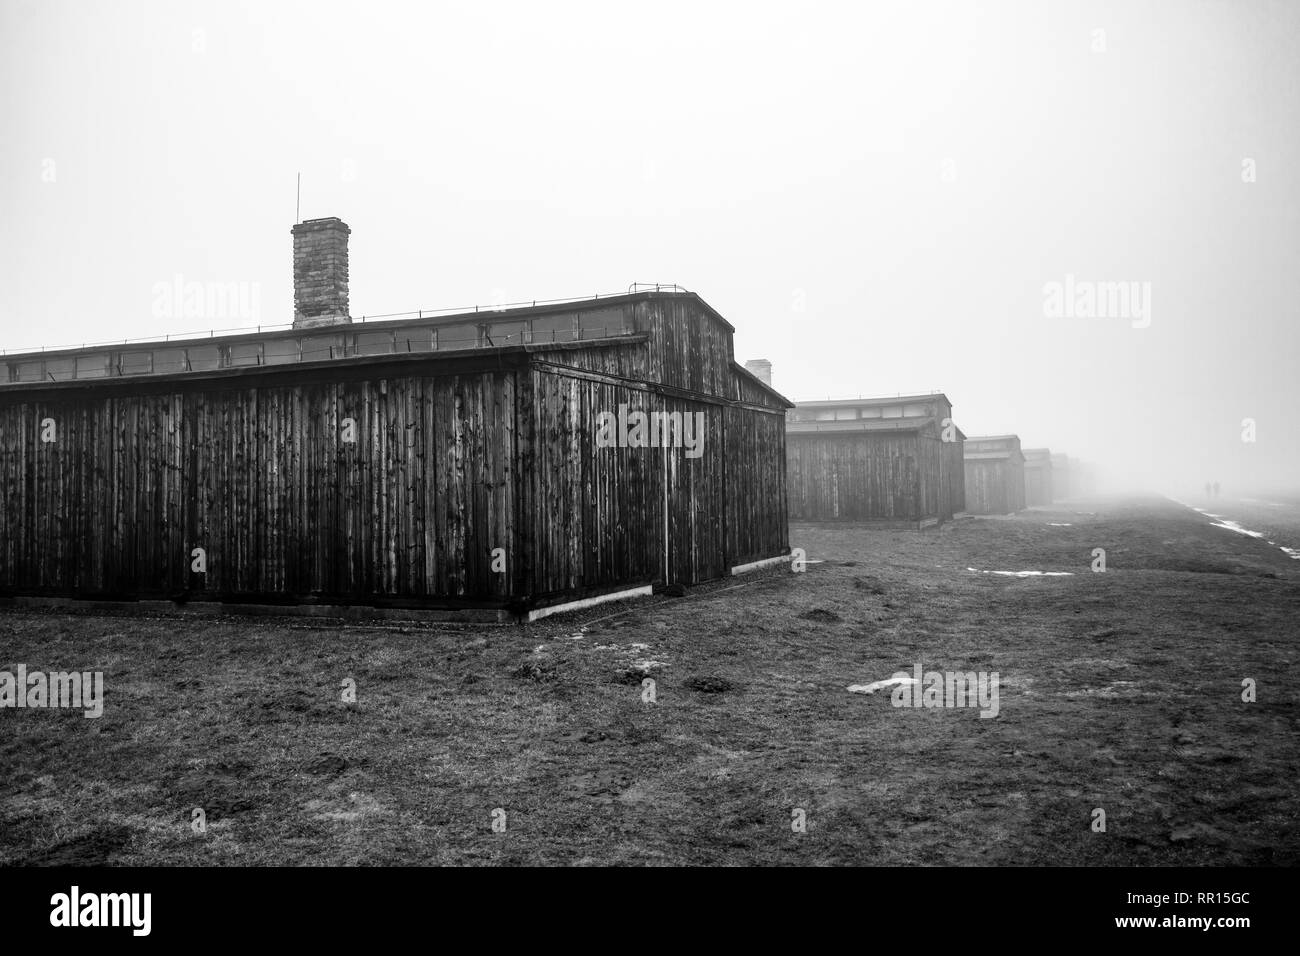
(599, 517)
(994, 486)
(259, 477)
(954, 478)
(592, 516)
(624, 360)
(697, 500)
(929, 476)
(985, 487)
(1015, 483)
(748, 391)
(718, 512)
(448, 465)
(861, 477)
(689, 348)
(758, 519)
(951, 464)
(758, 515)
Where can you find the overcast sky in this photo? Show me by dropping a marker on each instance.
(876, 195)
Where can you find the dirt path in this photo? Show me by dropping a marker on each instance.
(1276, 519)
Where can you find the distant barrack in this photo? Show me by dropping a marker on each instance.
(537, 321)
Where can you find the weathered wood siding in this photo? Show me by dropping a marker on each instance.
(600, 517)
(260, 477)
(592, 516)
(931, 496)
(458, 452)
(690, 349)
(994, 486)
(628, 359)
(697, 501)
(653, 515)
(748, 391)
(879, 460)
(859, 476)
(758, 524)
(953, 478)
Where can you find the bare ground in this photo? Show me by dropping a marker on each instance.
(1120, 691)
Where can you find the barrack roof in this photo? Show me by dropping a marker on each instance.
(396, 320)
(871, 400)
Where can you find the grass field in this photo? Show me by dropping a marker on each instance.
(1120, 691)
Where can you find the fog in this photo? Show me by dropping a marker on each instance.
(879, 197)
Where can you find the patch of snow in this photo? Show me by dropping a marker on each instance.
(645, 665)
(881, 684)
(1233, 526)
(1060, 524)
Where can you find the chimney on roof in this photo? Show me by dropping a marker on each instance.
(320, 273)
(762, 369)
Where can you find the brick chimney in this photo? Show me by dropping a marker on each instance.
(762, 369)
(320, 273)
